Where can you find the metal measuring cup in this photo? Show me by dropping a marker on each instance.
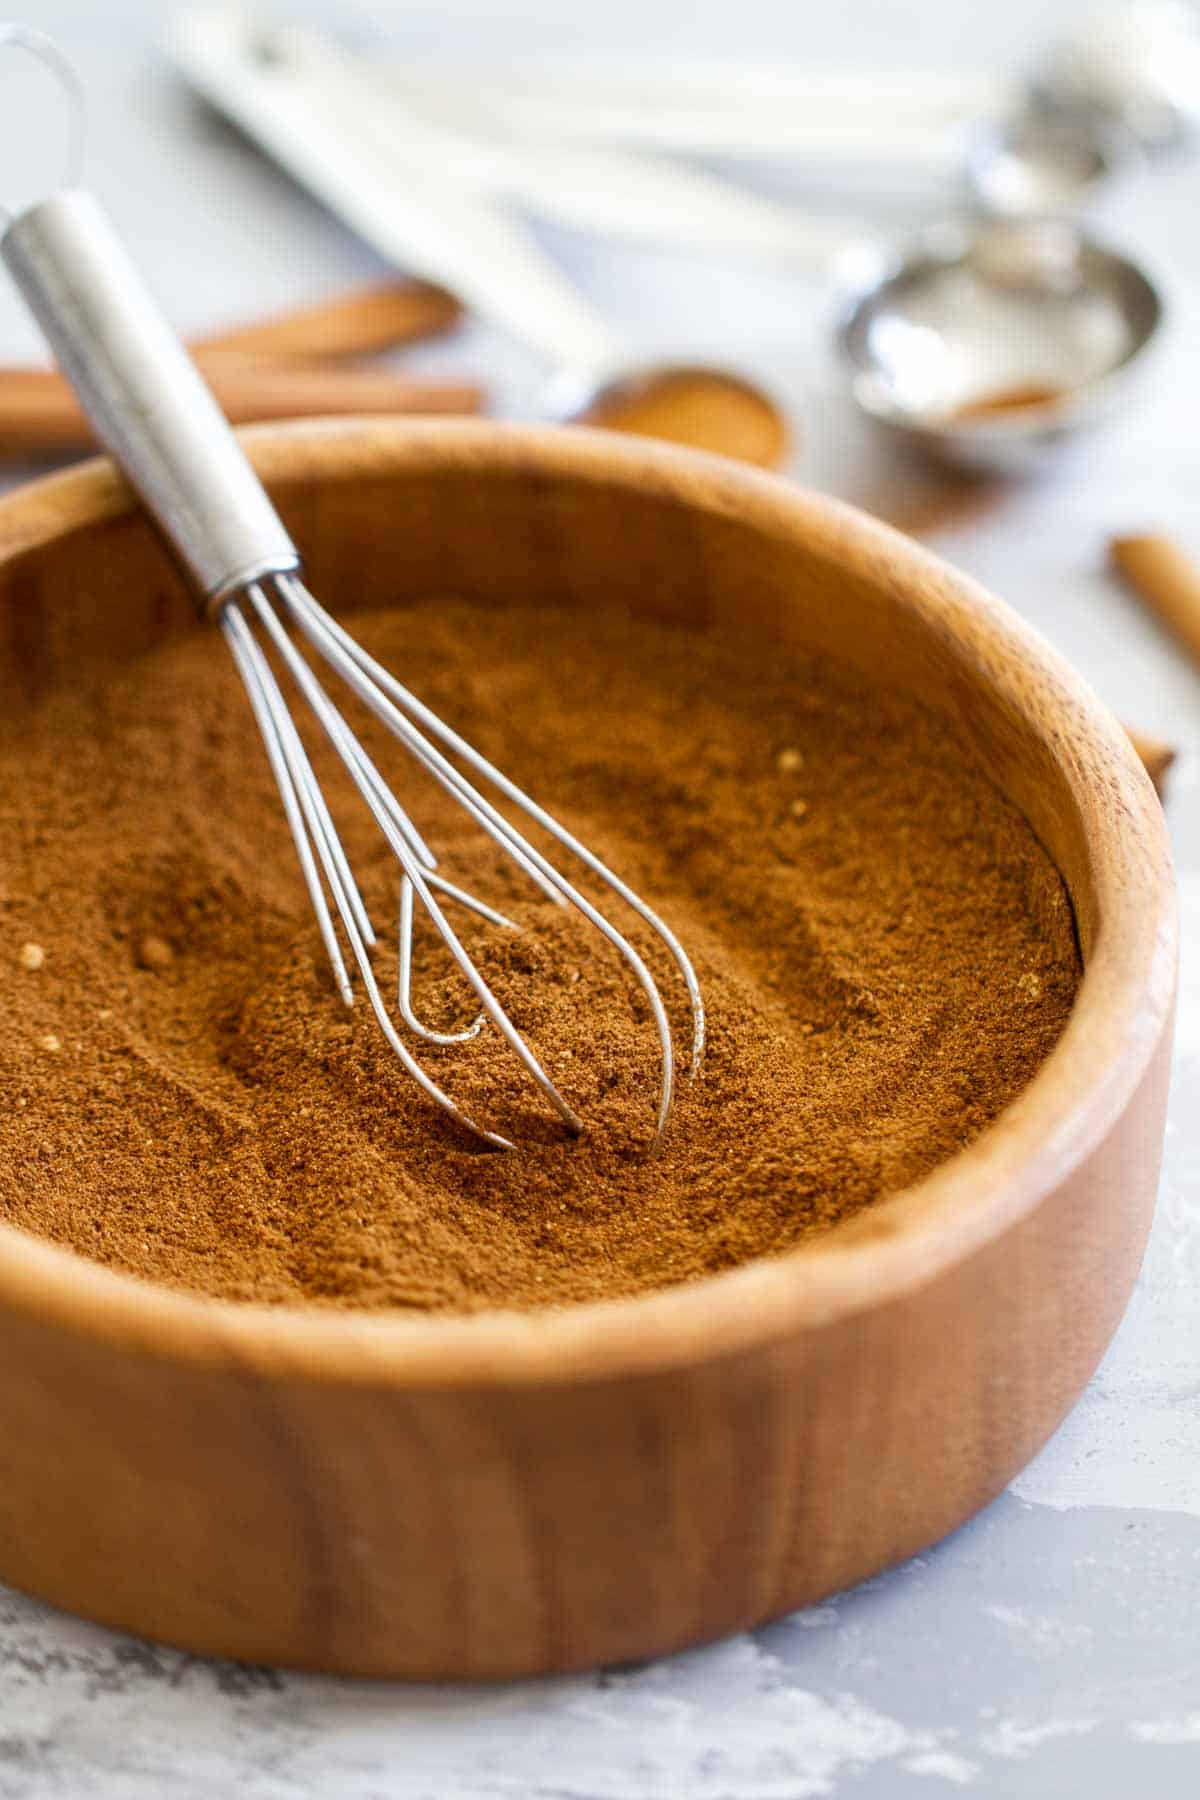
(992, 344)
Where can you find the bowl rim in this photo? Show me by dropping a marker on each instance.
(1121, 1013)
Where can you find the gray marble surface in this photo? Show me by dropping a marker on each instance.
(1052, 1647)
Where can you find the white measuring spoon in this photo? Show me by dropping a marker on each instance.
(402, 190)
(1031, 166)
(1135, 67)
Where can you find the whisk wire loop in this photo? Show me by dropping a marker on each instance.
(367, 679)
(289, 761)
(404, 979)
(400, 842)
(285, 758)
(45, 51)
(304, 607)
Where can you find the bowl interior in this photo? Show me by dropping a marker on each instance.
(389, 515)
(104, 591)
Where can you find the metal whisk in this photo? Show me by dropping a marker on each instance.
(150, 408)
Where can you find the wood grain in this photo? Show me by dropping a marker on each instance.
(504, 1494)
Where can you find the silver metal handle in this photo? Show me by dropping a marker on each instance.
(144, 396)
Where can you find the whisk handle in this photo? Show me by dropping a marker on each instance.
(143, 394)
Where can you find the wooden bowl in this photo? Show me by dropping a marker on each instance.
(502, 1494)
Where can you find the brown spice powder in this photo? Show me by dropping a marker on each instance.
(1032, 397)
(703, 408)
(887, 955)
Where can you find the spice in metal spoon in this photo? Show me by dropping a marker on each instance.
(706, 409)
(1002, 402)
(887, 952)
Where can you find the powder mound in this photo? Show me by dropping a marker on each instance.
(886, 954)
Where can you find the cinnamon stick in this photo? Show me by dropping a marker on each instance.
(1156, 757)
(355, 324)
(1166, 580)
(39, 414)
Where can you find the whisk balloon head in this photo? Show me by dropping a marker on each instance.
(257, 619)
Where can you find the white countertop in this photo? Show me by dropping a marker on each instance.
(1050, 1648)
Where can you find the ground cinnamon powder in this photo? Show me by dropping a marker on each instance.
(886, 951)
(705, 408)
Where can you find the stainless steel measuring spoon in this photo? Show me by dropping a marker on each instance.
(991, 345)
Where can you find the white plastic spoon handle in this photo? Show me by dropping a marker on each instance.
(814, 126)
(413, 217)
(721, 85)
